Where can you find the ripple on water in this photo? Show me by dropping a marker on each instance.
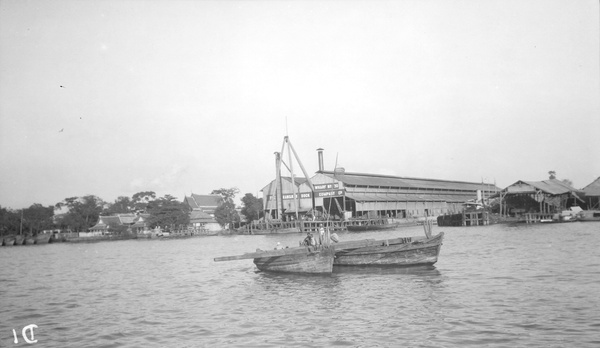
(493, 286)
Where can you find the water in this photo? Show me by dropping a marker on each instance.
(493, 286)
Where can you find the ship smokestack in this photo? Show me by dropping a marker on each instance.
(320, 152)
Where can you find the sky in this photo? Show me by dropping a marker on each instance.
(111, 98)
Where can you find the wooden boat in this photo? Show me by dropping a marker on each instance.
(29, 240)
(8, 241)
(303, 259)
(450, 220)
(377, 224)
(371, 225)
(406, 251)
(313, 259)
(588, 215)
(19, 239)
(276, 230)
(57, 238)
(42, 238)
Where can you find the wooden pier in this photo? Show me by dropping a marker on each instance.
(476, 218)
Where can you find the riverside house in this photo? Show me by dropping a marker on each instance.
(202, 214)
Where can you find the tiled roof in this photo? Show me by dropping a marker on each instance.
(139, 224)
(203, 201)
(113, 221)
(105, 222)
(200, 216)
(127, 218)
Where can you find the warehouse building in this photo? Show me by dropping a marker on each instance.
(354, 195)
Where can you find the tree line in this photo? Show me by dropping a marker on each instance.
(81, 213)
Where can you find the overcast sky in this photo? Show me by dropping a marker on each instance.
(115, 97)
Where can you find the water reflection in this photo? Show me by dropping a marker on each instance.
(387, 270)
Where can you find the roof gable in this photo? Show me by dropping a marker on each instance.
(203, 201)
(200, 216)
(127, 218)
(593, 189)
(551, 186)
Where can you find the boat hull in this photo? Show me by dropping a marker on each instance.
(19, 240)
(276, 231)
(404, 252)
(8, 241)
(358, 228)
(42, 238)
(315, 260)
(589, 215)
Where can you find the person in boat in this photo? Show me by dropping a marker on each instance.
(309, 240)
(321, 234)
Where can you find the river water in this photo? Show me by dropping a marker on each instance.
(494, 286)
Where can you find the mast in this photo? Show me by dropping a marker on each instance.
(291, 150)
(295, 196)
(278, 186)
(312, 188)
(21, 226)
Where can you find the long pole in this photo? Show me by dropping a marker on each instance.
(278, 186)
(295, 197)
(21, 226)
(312, 188)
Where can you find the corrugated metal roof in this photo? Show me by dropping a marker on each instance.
(593, 189)
(362, 179)
(551, 186)
(299, 181)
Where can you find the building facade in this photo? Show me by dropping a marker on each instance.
(355, 195)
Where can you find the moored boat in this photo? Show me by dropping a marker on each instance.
(588, 215)
(8, 241)
(313, 259)
(276, 230)
(42, 238)
(358, 225)
(19, 239)
(405, 251)
(57, 238)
